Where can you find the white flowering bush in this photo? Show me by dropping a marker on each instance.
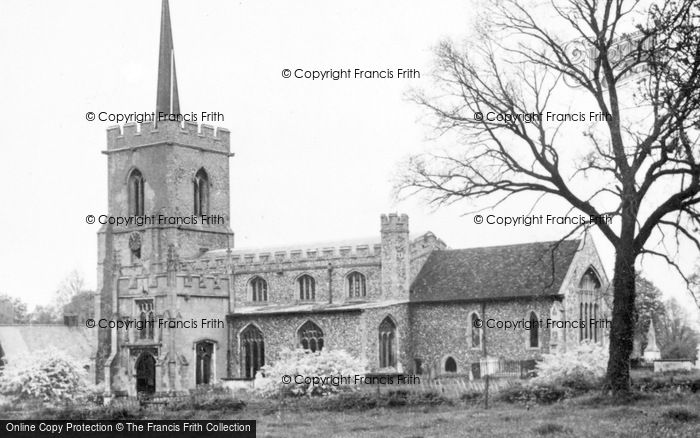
(581, 367)
(311, 374)
(48, 375)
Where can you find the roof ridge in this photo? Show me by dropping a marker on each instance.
(514, 245)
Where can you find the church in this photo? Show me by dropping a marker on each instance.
(206, 311)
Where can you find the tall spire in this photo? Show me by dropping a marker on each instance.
(167, 100)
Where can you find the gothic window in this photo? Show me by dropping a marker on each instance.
(201, 193)
(387, 343)
(252, 351)
(534, 331)
(589, 286)
(258, 289)
(589, 280)
(135, 187)
(595, 327)
(307, 287)
(205, 351)
(310, 337)
(556, 332)
(418, 366)
(450, 365)
(475, 330)
(357, 285)
(580, 322)
(146, 318)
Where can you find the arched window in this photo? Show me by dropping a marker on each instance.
(475, 330)
(357, 285)
(135, 187)
(450, 365)
(146, 318)
(589, 286)
(252, 351)
(589, 280)
(258, 289)
(556, 332)
(595, 327)
(205, 351)
(307, 287)
(387, 343)
(580, 319)
(534, 331)
(310, 337)
(201, 193)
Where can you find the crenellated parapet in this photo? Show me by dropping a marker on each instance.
(185, 283)
(188, 134)
(244, 259)
(394, 222)
(426, 243)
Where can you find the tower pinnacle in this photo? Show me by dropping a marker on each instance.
(167, 100)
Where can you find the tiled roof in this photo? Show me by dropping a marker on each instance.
(497, 272)
(17, 339)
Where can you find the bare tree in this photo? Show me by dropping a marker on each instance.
(72, 285)
(639, 165)
(678, 338)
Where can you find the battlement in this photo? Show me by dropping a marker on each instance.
(428, 242)
(190, 134)
(394, 222)
(245, 258)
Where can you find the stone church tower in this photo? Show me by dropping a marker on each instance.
(173, 177)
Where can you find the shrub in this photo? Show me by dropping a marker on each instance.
(517, 393)
(546, 394)
(48, 375)
(548, 429)
(365, 400)
(212, 388)
(533, 392)
(667, 382)
(680, 414)
(323, 365)
(581, 368)
(471, 396)
(212, 402)
(356, 400)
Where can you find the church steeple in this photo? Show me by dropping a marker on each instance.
(167, 100)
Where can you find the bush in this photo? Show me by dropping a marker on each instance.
(48, 375)
(364, 400)
(357, 400)
(471, 396)
(676, 381)
(212, 402)
(323, 365)
(580, 369)
(680, 414)
(549, 428)
(533, 393)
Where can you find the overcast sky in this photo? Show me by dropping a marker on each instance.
(314, 160)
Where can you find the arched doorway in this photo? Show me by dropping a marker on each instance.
(205, 351)
(146, 373)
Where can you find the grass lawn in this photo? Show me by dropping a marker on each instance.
(581, 417)
(665, 414)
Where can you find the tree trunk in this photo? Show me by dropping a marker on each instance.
(622, 330)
